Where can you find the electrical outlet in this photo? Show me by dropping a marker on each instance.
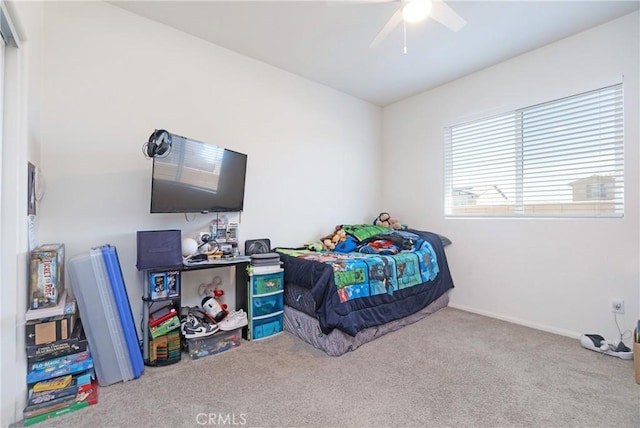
(617, 306)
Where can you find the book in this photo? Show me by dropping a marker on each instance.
(164, 313)
(165, 327)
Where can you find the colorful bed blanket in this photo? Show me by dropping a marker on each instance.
(358, 275)
(354, 291)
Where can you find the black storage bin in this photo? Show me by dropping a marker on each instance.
(159, 249)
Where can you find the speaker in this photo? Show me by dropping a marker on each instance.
(257, 246)
(159, 143)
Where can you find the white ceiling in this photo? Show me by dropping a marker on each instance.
(328, 41)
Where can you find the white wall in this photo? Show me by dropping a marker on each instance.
(558, 275)
(113, 77)
(95, 81)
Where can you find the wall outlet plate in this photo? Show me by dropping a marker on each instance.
(617, 306)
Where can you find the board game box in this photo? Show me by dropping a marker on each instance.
(60, 366)
(87, 396)
(39, 332)
(47, 275)
(77, 342)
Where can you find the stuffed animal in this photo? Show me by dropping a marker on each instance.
(339, 236)
(330, 241)
(314, 246)
(211, 288)
(328, 244)
(385, 220)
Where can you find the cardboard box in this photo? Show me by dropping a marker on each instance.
(636, 361)
(52, 330)
(46, 285)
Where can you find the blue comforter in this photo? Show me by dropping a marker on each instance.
(354, 291)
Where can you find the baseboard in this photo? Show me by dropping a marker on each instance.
(561, 332)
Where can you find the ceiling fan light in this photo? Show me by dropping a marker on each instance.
(416, 10)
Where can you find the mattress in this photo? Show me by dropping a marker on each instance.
(336, 343)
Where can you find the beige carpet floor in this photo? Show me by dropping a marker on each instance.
(452, 369)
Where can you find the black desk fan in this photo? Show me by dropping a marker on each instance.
(257, 246)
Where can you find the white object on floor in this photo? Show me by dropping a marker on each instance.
(233, 320)
(597, 343)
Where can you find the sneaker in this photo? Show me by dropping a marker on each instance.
(193, 328)
(597, 343)
(234, 320)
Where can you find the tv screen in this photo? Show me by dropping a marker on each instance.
(197, 177)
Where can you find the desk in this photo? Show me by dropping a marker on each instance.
(241, 290)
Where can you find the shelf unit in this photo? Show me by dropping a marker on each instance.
(152, 297)
(241, 295)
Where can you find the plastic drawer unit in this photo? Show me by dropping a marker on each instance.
(267, 283)
(265, 327)
(266, 305)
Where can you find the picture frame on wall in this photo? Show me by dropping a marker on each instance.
(31, 189)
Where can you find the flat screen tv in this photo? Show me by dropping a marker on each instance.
(196, 177)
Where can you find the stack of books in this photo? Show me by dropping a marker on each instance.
(264, 263)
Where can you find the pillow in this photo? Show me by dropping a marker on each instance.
(445, 241)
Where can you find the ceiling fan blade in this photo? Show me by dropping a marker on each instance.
(357, 1)
(391, 24)
(442, 13)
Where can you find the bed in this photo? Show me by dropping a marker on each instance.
(337, 301)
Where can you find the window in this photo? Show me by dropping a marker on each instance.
(563, 158)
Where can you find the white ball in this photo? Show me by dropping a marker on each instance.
(189, 247)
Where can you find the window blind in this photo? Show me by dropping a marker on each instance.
(563, 158)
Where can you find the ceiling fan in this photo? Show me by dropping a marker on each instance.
(412, 11)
